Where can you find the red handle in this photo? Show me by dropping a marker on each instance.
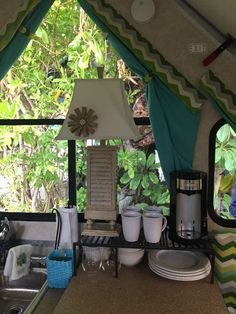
(210, 58)
(218, 51)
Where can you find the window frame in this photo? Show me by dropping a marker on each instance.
(229, 223)
(71, 169)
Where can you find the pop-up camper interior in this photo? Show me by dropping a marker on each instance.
(185, 53)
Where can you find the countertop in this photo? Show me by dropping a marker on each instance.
(137, 290)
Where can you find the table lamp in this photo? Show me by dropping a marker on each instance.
(99, 110)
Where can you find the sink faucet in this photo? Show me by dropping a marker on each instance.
(38, 261)
(5, 231)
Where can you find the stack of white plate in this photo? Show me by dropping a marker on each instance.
(179, 265)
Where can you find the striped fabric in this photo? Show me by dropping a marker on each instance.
(224, 245)
(12, 13)
(225, 99)
(149, 56)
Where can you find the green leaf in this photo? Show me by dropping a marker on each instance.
(45, 38)
(134, 183)
(155, 166)
(131, 172)
(153, 178)
(229, 163)
(99, 54)
(141, 158)
(125, 178)
(7, 111)
(226, 183)
(150, 160)
(146, 192)
(29, 138)
(232, 143)
(145, 181)
(75, 44)
(227, 200)
(165, 210)
(223, 133)
(83, 62)
(217, 155)
(233, 132)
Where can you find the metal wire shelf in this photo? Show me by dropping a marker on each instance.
(167, 242)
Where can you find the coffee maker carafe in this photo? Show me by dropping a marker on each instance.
(188, 205)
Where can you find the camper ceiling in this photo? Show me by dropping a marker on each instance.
(216, 17)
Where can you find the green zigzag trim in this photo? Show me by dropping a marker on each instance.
(224, 247)
(226, 258)
(208, 88)
(230, 294)
(224, 278)
(222, 105)
(224, 272)
(149, 64)
(213, 77)
(228, 300)
(12, 28)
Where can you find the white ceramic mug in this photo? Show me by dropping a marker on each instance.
(133, 208)
(153, 208)
(131, 222)
(153, 225)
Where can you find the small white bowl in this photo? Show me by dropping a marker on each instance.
(130, 257)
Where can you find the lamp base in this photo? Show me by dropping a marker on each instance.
(101, 229)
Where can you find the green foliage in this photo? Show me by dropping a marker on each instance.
(225, 169)
(142, 177)
(226, 148)
(81, 199)
(33, 163)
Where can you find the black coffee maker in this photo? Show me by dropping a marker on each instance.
(188, 212)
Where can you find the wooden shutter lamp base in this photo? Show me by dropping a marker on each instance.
(100, 229)
(101, 192)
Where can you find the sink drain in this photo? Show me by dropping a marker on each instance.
(15, 309)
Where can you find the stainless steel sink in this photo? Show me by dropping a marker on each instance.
(16, 295)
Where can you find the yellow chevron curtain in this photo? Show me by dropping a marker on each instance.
(224, 245)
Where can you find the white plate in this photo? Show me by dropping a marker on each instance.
(178, 261)
(181, 278)
(183, 273)
(174, 274)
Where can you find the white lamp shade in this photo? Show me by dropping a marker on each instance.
(106, 97)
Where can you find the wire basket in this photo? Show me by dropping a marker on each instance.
(59, 268)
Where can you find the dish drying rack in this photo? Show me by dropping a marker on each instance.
(167, 242)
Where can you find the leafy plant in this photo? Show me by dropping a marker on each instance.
(225, 169)
(141, 177)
